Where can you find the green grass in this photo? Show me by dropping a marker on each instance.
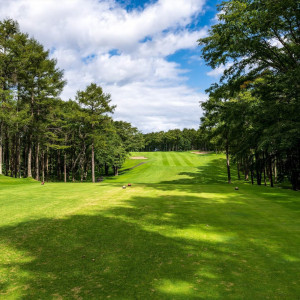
(180, 232)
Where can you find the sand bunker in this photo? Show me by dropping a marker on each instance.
(202, 152)
(138, 157)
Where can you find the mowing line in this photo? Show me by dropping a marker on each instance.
(187, 161)
(165, 160)
(174, 156)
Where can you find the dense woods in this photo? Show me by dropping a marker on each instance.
(253, 113)
(46, 138)
(177, 140)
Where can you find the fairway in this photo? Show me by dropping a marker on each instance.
(179, 232)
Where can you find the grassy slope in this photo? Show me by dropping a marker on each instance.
(180, 232)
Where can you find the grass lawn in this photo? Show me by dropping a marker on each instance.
(180, 232)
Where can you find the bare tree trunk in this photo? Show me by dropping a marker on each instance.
(228, 162)
(270, 172)
(12, 160)
(82, 171)
(93, 163)
(19, 158)
(58, 165)
(264, 166)
(82, 160)
(275, 170)
(116, 170)
(16, 165)
(43, 166)
(37, 167)
(29, 173)
(238, 170)
(258, 168)
(6, 156)
(246, 174)
(65, 167)
(47, 164)
(29, 159)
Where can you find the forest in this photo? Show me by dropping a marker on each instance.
(253, 113)
(177, 140)
(44, 137)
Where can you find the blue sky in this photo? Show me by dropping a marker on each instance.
(143, 52)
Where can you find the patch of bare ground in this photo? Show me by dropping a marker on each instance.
(200, 152)
(138, 157)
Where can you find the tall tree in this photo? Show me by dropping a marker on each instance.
(95, 104)
(261, 41)
(8, 31)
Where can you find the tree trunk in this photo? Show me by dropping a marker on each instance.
(19, 158)
(12, 160)
(238, 170)
(29, 160)
(270, 172)
(82, 172)
(6, 158)
(264, 166)
(93, 163)
(17, 151)
(246, 173)
(65, 167)
(116, 170)
(258, 168)
(58, 166)
(29, 173)
(275, 171)
(47, 164)
(43, 166)
(228, 163)
(37, 162)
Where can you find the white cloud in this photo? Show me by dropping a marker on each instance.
(217, 72)
(162, 106)
(149, 90)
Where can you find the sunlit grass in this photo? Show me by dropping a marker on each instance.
(180, 232)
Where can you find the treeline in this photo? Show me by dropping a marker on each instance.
(253, 113)
(177, 140)
(42, 136)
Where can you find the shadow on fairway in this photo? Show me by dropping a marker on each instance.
(173, 247)
(97, 257)
(214, 172)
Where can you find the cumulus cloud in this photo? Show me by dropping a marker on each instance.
(123, 51)
(217, 72)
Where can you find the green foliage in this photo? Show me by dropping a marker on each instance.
(256, 106)
(43, 136)
(177, 140)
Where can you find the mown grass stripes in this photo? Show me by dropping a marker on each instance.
(165, 159)
(179, 232)
(186, 158)
(174, 158)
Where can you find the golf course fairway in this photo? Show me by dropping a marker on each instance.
(178, 232)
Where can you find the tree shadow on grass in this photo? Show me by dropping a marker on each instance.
(97, 257)
(214, 172)
(172, 247)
